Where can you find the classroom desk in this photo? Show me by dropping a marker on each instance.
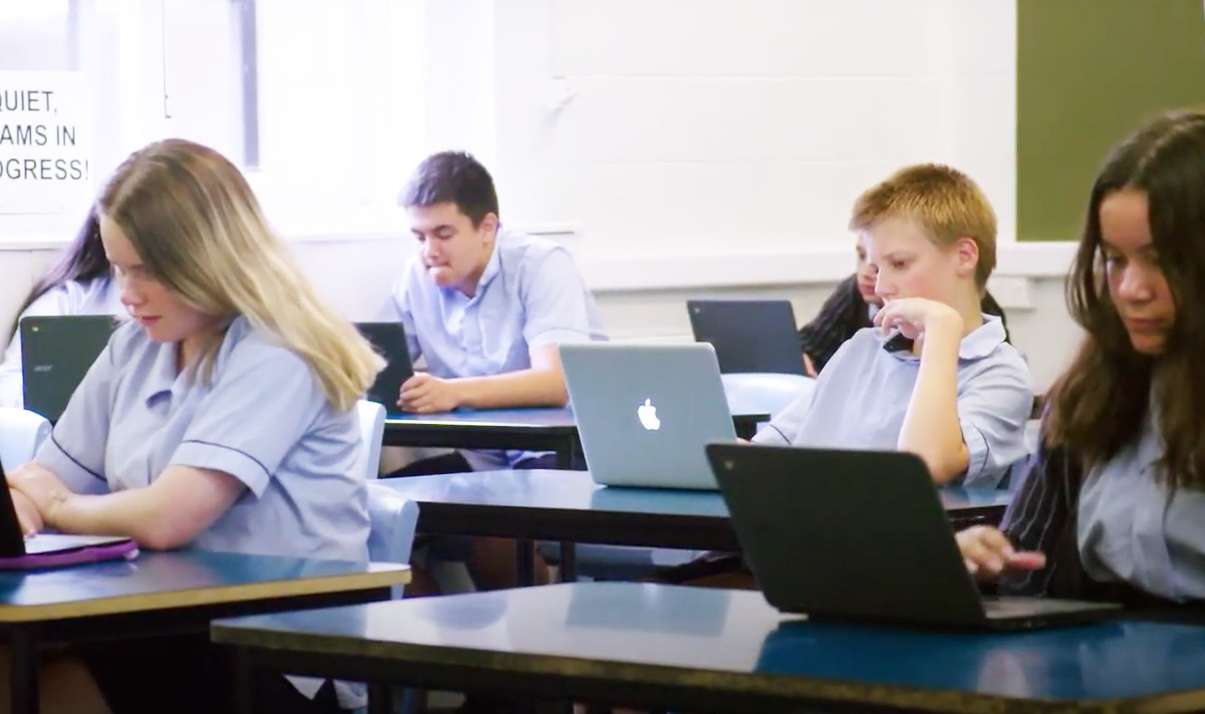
(568, 506)
(546, 429)
(698, 649)
(163, 592)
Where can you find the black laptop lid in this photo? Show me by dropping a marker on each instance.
(853, 534)
(748, 335)
(56, 352)
(12, 541)
(389, 341)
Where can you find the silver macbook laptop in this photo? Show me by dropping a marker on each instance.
(645, 412)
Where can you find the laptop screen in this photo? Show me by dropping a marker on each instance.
(56, 352)
(388, 339)
(748, 335)
(12, 541)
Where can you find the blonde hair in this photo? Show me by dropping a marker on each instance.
(946, 203)
(199, 230)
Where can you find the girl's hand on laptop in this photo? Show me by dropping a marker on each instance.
(427, 394)
(913, 317)
(42, 487)
(27, 513)
(987, 553)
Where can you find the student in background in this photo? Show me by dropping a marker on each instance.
(221, 416)
(850, 308)
(1114, 506)
(934, 376)
(486, 307)
(80, 283)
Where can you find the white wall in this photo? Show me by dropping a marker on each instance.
(713, 127)
(701, 148)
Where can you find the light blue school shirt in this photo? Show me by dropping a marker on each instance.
(1129, 530)
(529, 295)
(862, 395)
(263, 419)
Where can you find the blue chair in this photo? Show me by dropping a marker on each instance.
(393, 520)
(763, 392)
(372, 433)
(21, 433)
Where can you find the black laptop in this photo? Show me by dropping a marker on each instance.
(748, 335)
(862, 535)
(56, 352)
(389, 341)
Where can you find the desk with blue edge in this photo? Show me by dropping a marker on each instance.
(567, 506)
(162, 593)
(697, 649)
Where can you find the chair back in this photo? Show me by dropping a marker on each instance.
(393, 519)
(764, 392)
(372, 432)
(21, 433)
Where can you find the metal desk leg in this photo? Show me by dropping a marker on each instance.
(568, 570)
(525, 562)
(23, 671)
(380, 698)
(244, 683)
(564, 453)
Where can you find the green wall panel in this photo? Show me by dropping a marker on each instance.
(1089, 72)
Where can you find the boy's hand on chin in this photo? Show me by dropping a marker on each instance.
(913, 317)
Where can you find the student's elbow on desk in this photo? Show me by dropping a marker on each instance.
(945, 467)
(164, 534)
(559, 393)
(184, 502)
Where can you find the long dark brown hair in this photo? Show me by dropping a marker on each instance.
(83, 260)
(1100, 404)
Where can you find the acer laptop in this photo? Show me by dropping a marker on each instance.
(862, 535)
(645, 412)
(748, 335)
(56, 352)
(388, 339)
(49, 550)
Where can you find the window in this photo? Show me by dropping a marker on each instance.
(320, 103)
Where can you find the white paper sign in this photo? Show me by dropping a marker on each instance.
(44, 156)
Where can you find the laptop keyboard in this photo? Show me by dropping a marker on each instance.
(1004, 607)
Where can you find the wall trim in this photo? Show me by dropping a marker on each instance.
(821, 263)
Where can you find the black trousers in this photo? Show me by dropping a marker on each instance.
(454, 463)
(187, 674)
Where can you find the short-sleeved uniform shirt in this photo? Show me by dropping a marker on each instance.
(262, 419)
(1132, 528)
(529, 295)
(99, 296)
(861, 398)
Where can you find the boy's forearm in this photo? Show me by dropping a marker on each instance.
(931, 428)
(523, 388)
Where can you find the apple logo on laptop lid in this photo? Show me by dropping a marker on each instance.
(647, 414)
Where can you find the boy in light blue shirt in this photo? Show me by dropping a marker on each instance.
(934, 376)
(484, 306)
